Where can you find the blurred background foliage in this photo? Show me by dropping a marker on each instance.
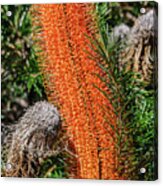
(21, 83)
(54, 167)
(123, 12)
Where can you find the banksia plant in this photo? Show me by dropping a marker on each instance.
(63, 35)
(98, 63)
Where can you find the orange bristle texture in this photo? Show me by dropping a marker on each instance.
(69, 79)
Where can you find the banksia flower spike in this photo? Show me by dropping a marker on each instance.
(69, 76)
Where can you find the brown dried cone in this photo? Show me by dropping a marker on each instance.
(36, 137)
(139, 44)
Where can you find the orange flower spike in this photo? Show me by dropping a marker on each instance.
(76, 108)
(90, 66)
(68, 77)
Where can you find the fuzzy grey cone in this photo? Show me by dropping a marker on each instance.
(34, 138)
(137, 53)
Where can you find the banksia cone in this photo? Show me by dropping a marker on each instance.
(69, 79)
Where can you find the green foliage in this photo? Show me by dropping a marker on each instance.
(54, 167)
(133, 103)
(21, 79)
(117, 12)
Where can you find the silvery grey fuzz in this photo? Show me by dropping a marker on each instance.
(26, 144)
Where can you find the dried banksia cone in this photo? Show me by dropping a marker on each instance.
(69, 80)
(137, 56)
(33, 139)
